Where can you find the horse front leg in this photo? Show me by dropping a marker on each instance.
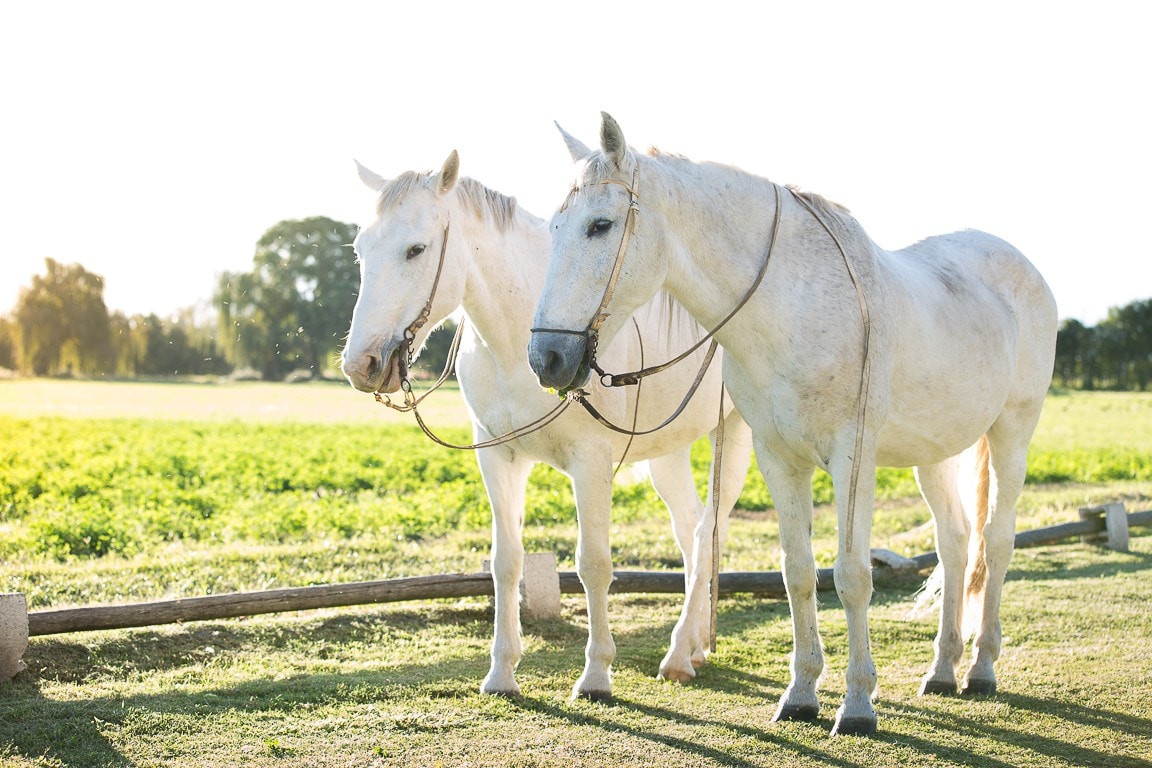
(792, 494)
(853, 575)
(591, 475)
(505, 481)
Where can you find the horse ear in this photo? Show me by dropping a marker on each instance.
(576, 148)
(371, 179)
(612, 139)
(449, 173)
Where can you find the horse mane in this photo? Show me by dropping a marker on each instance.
(675, 318)
(484, 202)
(395, 190)
(820, 203)
(488, 202)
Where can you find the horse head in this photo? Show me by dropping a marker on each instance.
(407, 285)
(604, 261)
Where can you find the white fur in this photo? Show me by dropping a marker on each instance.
(495, 266)
(962, 336)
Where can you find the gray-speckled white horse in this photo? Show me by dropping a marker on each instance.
(495, 261)
(845, 357)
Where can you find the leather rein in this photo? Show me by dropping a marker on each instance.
(591, 333)
(405, 352)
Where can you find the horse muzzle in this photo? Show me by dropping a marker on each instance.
(559, 358)
(375, 372)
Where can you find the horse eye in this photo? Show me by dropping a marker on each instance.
(599, 227)
(414, 251)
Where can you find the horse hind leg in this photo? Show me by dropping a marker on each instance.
(939, 487)
(1008, 449)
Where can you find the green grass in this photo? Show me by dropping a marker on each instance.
(399, 686)
(89, 487)
(127, 492)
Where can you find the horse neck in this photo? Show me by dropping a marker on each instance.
(506, 271)
(716, 248)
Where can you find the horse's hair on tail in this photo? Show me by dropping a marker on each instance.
(975, 579)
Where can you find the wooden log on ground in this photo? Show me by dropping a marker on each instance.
(763, 583)
(250, 603)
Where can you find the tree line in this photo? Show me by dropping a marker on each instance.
(1114, 354)
(288, 316)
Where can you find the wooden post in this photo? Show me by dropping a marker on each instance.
(539, 586)
(1116, 518)
(1115, 525)
(13, 634)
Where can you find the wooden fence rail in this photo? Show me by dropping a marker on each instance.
(766, 583)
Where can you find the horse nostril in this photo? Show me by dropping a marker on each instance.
(552, 363)
(373, 366)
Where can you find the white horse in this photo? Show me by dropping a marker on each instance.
(846, 357)
(494, 263)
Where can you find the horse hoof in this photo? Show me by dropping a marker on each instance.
(599, 696)
(510, 694)
(855, 726)
(980, 688)
(803, 713)
(507, 691)
(677, 675)
(937, 688)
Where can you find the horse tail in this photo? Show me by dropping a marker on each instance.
(976, 573)
(976, 577)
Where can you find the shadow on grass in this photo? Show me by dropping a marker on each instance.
(1047, 744)
(72, 731)
(603, 719)
(69, 730)
(1045, 565)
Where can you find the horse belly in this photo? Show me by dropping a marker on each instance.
(947, 386)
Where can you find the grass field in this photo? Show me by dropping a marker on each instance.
(115, 492)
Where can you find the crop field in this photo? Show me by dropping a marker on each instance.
(124, 492)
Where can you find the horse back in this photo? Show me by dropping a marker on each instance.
(966, 285)
(970, 326)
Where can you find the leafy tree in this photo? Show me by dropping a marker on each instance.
(8, 332)
(148, 345)
(63, 322)
(1074, 354)
(1126, 344)
(292, 310)
(1115, 354)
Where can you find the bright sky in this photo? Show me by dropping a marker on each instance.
(154, 142)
